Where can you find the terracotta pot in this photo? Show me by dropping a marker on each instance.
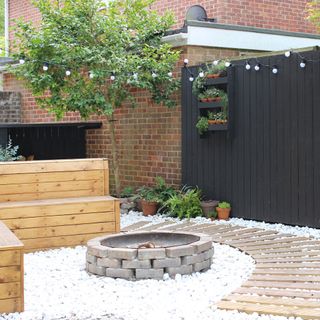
(212, 121)
(208, 206)
(149, 208)
(216, 99)
(223, 213)
(213, 76)
(204, 100)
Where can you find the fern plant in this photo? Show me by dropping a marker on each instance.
(9, 152)
(185, 204)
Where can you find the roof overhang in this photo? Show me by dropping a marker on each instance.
(206, 34)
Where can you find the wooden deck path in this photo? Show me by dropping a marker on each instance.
(286, 280)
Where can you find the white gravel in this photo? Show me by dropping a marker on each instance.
(58, 287)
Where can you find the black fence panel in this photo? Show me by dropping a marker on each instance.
(268, 163)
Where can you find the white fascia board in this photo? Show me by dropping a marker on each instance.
(231, 38)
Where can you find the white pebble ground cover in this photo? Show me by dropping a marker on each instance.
(58, 287)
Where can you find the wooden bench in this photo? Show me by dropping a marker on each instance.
(11, 271)
(56, 203)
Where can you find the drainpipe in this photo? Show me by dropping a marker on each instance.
(6, 26)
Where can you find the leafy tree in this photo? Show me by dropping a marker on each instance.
(313, 8)
(87, 57)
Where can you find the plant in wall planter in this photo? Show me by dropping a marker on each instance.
(217, 118)
(223, 210)
(202, 125)
(211, 95)
(217, 70)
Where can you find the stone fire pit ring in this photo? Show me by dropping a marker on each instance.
(149, 255)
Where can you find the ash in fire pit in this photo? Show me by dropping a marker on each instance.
(148, 255)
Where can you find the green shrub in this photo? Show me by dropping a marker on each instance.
(9, 152)
(185, 204)
(127, 192)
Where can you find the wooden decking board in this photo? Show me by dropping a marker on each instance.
(282, 285)
(156, 226)
(300, 253)
(289, 265)
(253, 240)
(178, 226)
(135, 226)
(293, 271)
(275, 301)
(285, 278)
(264, 247)
(292, 249)
(305, 313)
(286, 259)
(310, 294)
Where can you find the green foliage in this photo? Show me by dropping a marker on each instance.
(202, 125)
(216, 68)
(2, 21)
(212, 214)
(160, 192)
(313, 9)
(9, 152)
(224, 205)
(185, 204)
(123, 40)
(127, 192)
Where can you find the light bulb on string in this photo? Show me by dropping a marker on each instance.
(287, 54)
(170, 74)
(201, 74)
(303, 64)
(185, 62)
(22, 61)
(215, 62)
(135, 76)
(68, 73)
(275, 69)
(112, 77)
(248, 66)
(45, 66)
(154, 75)
(191, 78)
(91, 75)
(227, 64)
(257, 67)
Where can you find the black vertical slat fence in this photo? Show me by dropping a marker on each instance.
(268, 163)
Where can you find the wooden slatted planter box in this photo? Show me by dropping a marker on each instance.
(11, 272)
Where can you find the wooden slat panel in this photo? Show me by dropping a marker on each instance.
(45, 187)
(44, 208)
(9, 274)
(134, 226)
(51, 221)
(52, 195)
(11, 305)
(9, 290)
(305, 313)
(64, 230)
(9, 258)
(64, 241)
(293, 271)
(30, 178)
(51, 166)
(273, 265)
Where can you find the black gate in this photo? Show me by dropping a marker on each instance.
(267, 164)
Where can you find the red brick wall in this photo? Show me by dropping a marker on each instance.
(287, 15)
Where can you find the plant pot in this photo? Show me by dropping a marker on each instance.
(213, 76)
(204, 100)
(149, 208)
(139, 204)
(209, 206)
(212, 121)
(223, 213)
(216, 99)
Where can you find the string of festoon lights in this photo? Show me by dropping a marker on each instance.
(255, 64)
(249, 64)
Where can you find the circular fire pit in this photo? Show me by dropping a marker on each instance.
(148, 255)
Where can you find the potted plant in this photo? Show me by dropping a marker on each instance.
(223, 210)
(217, 118)
(202, 125)
(149, 200)
(209, 206)
(212, 215)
